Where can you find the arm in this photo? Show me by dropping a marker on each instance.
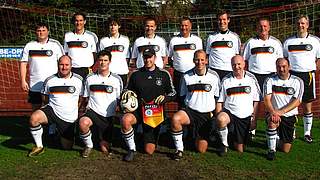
(218, 107)
(274, 114)
(293, 104)
(23, 74)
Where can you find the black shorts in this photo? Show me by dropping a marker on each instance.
(82, 71)
(101, 125)
(238, 128)
(65, 129)
(221, 73)
(308, 78)
(34, 97)
(201, 123)
(261, 78)
(286, 128)
(124, 79)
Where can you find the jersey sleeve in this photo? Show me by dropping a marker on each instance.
(238, 45)
(208, 47)
(218, 88)
(199, 44)
(246, 51)
(170, 50)
(256, 90)
(299, 89)
(86, 89)
(25, 54)
(285, 49)
(127, 48)
(65, 45)
(135, 52)
(183, 87)
(170, 91)
(267, 87)
(164, 51)
(279, 50)
(222, 94)
(45, 88)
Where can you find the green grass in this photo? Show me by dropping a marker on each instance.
(303, 162)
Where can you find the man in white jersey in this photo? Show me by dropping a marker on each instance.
(261, 53)
(102, 91)
(282, 95)
(149, 40)
(181, 52)
(118, 45)
(200, 88)
(236, 105)
(81, 45)
(62, 91)
(222, 45)
(303, 52)
(42, 56)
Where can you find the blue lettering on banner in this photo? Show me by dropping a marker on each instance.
(11, 52)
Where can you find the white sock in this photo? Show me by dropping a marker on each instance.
(272, 139)
(307, 123)
(36, 133)
(223, 132)
(129, 139)
(253, 131)
(87, 140)
(177, 139)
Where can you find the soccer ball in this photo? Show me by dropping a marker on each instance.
(130, 104)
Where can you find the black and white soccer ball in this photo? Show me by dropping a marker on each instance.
(129, 104)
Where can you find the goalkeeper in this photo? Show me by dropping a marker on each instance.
(153, 87)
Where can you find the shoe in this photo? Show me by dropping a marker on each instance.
(86, 151)
(271, 155)
(36, 151)
(222, 150)
(308, 139)
(177, 155)
(129, 156)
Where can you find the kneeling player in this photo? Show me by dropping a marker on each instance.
(282, 95)
(63, 90)
(199, 87)
(153, 87)
(237, 104)
(102, 90)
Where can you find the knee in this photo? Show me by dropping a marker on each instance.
(222, 119)
(149, 148)
(84, 123)
(175, 121)
(202, 146)
(35, 119)
(126, 124)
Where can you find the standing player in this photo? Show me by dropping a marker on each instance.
(200, 87)
(61, 91)
(303, 50)
(81, 46)
(153, 87)
(237, 104)
(181, 52)
(150, 40)
(118, 45)
(282, 96)
(222, 46)
(42, 56)
(261, 53)
(102, 90)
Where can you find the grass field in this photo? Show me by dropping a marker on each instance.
(303, 162)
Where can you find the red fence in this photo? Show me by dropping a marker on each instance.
(13, 101)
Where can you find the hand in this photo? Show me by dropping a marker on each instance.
(253, 124)
(275, 118)
(25, 86)
(159, 99)
(127, 94)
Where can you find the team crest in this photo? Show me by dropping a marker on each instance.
(308, 47)
(207, 87)
(49, 53)
(120, 48)
(192, 46)
(247, 90)
(71, 89)
(148, 112)
(109, 89)
(156, 48)
(84, 44)
(290, 91)
(158, 82)
(229, 44)
(271, 50)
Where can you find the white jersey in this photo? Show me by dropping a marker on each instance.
(221, 47)
(64, 95)
(157, 43)
(42, 60)
(200, 91)
(119, 48)
(103, 93)
(283, 91)
(302, 52)
(181, 51)
(80, 48)
(238, 95)
(262, 55)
